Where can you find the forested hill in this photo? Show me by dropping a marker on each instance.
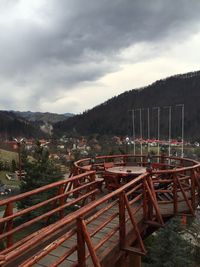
(13, 126)
(42, 116)
(115, 116)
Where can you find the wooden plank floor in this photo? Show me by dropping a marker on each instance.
(110, 250)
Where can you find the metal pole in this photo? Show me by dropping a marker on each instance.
(182, 127)
(170, 125)
(169, 129)
(133, 118)
(158, 130)
(183, 113)
(140, 132)
(148, 126)
(140, 112)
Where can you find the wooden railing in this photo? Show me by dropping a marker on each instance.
(133, 207)
(157, 162)
(60, 200)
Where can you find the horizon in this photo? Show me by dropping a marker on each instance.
(58, 57)
(140, 88)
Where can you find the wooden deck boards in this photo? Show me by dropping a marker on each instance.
(109, 248)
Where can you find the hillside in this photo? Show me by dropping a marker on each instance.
(12, 125)
(115, 116)
(42, 116)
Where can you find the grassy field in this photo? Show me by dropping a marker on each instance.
(13, 185)
(8, 155)
(5, 181)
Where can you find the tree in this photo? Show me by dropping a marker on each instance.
(168, 248)
(39, 171)
(1, 165)
(192, 230)
(13, 165)
(6, 166)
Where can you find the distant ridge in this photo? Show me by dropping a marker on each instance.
(114, 116)
(27, 124)
(12, 125)
(43, 116)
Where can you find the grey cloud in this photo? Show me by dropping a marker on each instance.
(101, 27)
(78, 41)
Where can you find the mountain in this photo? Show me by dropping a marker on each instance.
(43, 116)
(13, 126)
(115, 116)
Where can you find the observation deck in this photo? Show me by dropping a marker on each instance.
(98, 217)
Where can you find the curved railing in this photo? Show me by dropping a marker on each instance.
(169, 182)
(157, 164)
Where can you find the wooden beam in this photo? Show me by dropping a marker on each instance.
(155, 204)
(153, 223)
(197, 179)
(80, 243)
(9, 224)
(133, 250)
(193, 190)
(122, 220)
(185, 197)
(135, 226)
(90, 246)
(145, 207)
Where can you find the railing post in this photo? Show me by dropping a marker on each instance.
(80, 243)
(175, 194)
(92, 179)
(145, 206)
(162, 160)
(88, 241)
(125, 160)
(134, 223)
(193, 197)
(181, 162)
(150, 183)
(135, 260)
(186, 198)
(122, 220)
(153, 200)
(61, 200)
(196, 176)
(149, 202)
(9, 224)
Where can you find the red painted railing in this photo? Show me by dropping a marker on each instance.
(61, 201)
(138, 203)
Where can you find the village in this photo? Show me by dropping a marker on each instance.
(65, 150)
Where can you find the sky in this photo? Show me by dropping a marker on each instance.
(71, 55)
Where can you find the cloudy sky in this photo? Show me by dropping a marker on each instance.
(70, 55)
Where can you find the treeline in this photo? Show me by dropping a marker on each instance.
(12, 125)
(42, 116)
(115, 115)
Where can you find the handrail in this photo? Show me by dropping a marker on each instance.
(194, 163)
(44, 188)
(183, 181)
(67, 220)
(59, 202)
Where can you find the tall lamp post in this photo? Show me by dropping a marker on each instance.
(133, 120)
(182, 126)
(19, 143)
(170, 126)
(140, 112)
(148, 128)
(158, 129)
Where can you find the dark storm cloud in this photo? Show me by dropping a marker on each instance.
(69, 42)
